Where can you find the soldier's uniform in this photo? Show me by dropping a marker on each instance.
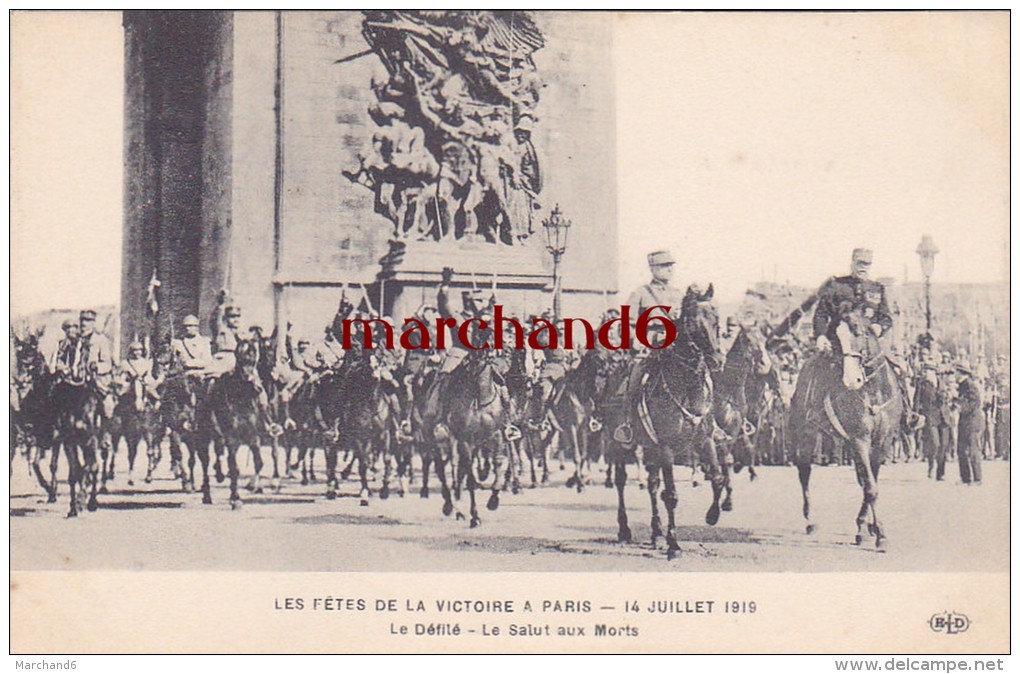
(840, 296)
(927, 401)
(971, 426)
(226, 343)
(654, 293)
(192, 353)
(138, 370)
(61, 361)
(94, 355)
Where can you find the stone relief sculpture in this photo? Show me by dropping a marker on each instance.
(452, 156)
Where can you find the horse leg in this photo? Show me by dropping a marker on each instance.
(332, 482)
(73, 471)
(218, 447)
(426, 461)
(132, 450)
(91, 465)
(275, 484)
(255, 449)
(718, 477)
(804, 473)
(653, 495)
(233, 447)
(440, 462)
(54, 460)
(388, 465)
(202, 449)
(364, 460)
(727, 487)
(669, 499)
(472, 485)
(575, 446)
(624, 535)
(153, 452)
(499, 479)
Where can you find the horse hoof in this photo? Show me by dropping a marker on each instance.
(206, 499)
(672, 553)
(131, 483)
(460, 516)
(72, 513)
(608, 484)
(93, 506)
(475, 522)
(104, 490)
(424, 493)
(384, 493)
(447, 509)
(571, 481)
(220, 477)
(304, 482)
(810, 529)
(880, 542)
(235, 505)
(148, 479)
(712, 516)
(52, 498)
(364, 502)
(516, 489)
(493, 502)
(695, 484)
(330, 495)
(580, 487)
(259, 490)
(624, 536)
(727, 506)
(858, 539)
(872, 530)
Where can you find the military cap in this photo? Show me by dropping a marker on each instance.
(862, 255)
(660, 258)
(962, 365)
(68, 323)
(525, 123)
(190, 319)
(136, 346)
(303, 342)
(87, 315)
(232, 310)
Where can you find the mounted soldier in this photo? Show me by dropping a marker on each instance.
(94, 354)
(657, 292)
(61, 361)
(226, 340)
(192, 353)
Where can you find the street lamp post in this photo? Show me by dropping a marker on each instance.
(556, 230)
(927, 250)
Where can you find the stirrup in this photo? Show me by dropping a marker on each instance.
(624, 434)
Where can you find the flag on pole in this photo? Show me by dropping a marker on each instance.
(150, 297)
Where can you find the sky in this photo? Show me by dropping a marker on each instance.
(753, 146)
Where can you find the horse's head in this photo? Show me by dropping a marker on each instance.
(755, 349)
(699, 324)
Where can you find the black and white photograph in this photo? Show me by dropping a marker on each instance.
(481, 292)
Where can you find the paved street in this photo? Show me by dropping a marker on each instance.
(944, 526)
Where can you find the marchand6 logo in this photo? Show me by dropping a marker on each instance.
(948, 622)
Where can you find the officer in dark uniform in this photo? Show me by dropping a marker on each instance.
(841, 295)
(972, 424)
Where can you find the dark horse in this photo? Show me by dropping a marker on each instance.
(861, 409)
(477, 415)
(181, 395)
(33, 416)
(237, 413)
(673, 408)
(571, 409)
(746, 360)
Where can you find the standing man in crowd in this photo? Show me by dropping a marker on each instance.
(972, 424)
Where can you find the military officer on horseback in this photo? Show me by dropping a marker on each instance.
(94, 354)
(62, 360)
(839, 296)
(138, 371)
(226, 340)
(192, 352)
(657, 292)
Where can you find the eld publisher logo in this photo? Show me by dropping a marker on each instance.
(949, 623)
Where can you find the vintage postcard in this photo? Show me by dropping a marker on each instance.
(509, 332)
